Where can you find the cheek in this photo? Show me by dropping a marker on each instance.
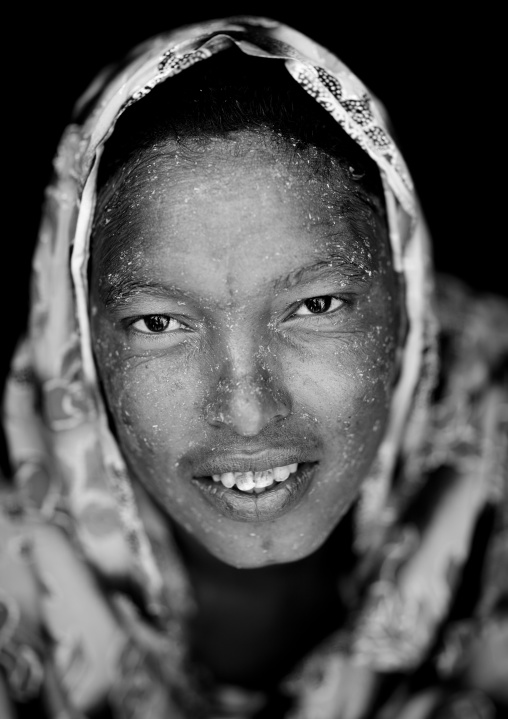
(345, 385)
(151, 401)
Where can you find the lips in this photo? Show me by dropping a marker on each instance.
(261, 461)
(271, 503)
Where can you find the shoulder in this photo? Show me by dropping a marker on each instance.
(470, 410)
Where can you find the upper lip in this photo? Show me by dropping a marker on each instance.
(250, 461)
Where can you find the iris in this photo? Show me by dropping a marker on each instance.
(316, 305)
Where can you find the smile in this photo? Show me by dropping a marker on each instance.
(260, 496)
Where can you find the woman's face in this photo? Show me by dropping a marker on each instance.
(242, 323)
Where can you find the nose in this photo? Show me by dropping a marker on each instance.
(246, 401)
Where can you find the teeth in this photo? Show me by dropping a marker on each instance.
(227, 479)
(281, 473)
(263, 479)
(245, 480)
(255, 481)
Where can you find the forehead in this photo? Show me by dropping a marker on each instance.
(246, 204)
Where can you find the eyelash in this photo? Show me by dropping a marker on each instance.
(168, 318)
(342, 301)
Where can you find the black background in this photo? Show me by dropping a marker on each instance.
(429, 65)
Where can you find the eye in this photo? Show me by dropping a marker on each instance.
(157, 324)
(318, 306)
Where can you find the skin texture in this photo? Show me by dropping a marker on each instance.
(218, 237)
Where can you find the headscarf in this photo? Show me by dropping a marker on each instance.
(70, 473)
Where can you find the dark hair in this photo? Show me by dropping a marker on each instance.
(230, 92)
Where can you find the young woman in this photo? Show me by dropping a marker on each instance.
(258, 453)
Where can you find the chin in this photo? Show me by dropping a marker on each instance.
(262, 548)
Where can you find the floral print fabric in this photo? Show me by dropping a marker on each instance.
(74, 517)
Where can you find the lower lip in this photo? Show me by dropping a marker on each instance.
(277, 500)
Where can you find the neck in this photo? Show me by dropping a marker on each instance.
(251, 626)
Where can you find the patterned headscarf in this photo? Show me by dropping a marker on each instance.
(69, 469)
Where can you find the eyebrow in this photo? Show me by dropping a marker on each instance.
(122, 290)
(329, 268)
